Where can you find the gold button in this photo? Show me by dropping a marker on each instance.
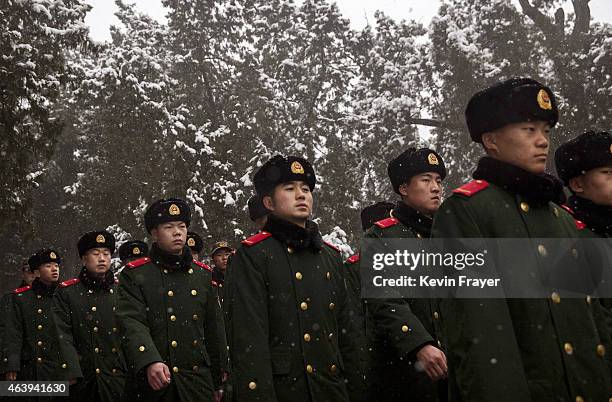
(588, 299)
(436, 315)
(194, 292)
(190, 270)
(405, 328)
(289, 250)
(165, 271)
(195, 368)
(39, 311)
(579, 399)
(556, 212)
(418, 235)
(39, 296)
(64, 365)
(97, 350)
(252, 385)
(170, 293)
(307, 337)
(93, 308)
(328, 275)
(40, 327)
(525, 207)
(97, 371)
(575, 253)
(601, 350)
(172, 318)
(439, 345)
(542, 250)
(309, 368)
(95, 329)
(555, 297)
(39, 360)
(114, 308)
(195, 342)
(114, 329)
(195, 317)
(114, 371)
(175, 369)
(174, 344)
(333, 368)
(114, 350)
(330, 336)
(331, 306)
(304, 306)
(39, 343)
(111, 291)
(141, 348)
(569, 349)
(298, 276)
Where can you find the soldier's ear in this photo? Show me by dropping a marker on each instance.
(489, 142)
(576, 184)
(268, 202)
(403, 189)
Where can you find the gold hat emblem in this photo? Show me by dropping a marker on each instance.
(432, 159)
(52, 255)
(191, 242)
(174, 210)
(222, 244)
(544, 100)
(136, 251)
(100, 239)
(296, 167)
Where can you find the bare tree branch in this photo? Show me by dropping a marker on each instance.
(550, 30)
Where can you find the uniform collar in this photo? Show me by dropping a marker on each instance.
(598, 218)
(538, 189)
(413, 219)
(171, 261)
(92, 282)
(41, 289)
(294, 236)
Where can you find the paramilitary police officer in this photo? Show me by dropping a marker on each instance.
(219, 256)
(518, 349)
(133, 250)
(405, 357)
(27, 277)
(196, 245)
(289, 330)
(168, 312)
(585, 166)
(30, 340)
(86, 324)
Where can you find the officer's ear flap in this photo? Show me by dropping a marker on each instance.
(576, 184)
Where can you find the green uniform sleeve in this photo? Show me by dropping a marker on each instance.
(13, 336)
(138, 344)
(212, 336)
(62, 315)
(248, 330)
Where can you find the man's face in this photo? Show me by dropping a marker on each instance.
(170, 236)
(97, 260)
(524, 145)
(595, 185)
(27, 275)
(49, 273)
(291, 201)
(423, 192)
(220, 259)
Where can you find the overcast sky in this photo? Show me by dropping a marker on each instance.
(358, 11)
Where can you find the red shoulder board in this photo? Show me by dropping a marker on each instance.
(471, 188)
(568, 209)
(253, 240)
(386, 223)
(138, 262)
(353, 259)
(579, 224)
(202, 265)
(69, 282)
(332, 246)
(22, 289)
